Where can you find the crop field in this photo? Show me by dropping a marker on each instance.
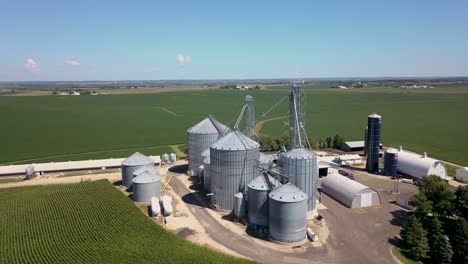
(89, 222)
(57, 128)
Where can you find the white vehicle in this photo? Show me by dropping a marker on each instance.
(406, 180)
(312, 234)
(155, 207)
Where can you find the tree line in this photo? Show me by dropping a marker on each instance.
(268, 144)
(437, 231)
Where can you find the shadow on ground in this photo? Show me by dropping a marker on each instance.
(399, 217)
(179, 168)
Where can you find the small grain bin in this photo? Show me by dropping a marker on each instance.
(165, 158)
(287, 215)
(145, 186)
(390, 162)
(257, 203)
(131, 164)
(172, 157)
(29, 171)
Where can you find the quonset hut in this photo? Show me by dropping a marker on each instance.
(131, 164)
(418, 166)
(288, 214)
(301, 165)
(257, 204)
(233, 164)
(348, 192)
(200, 137)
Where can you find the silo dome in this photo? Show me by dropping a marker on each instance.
(301, 166)
(146, 185)
(200, 137)
(288, 214)
(257, 203)
(233, 164)
(131, 164)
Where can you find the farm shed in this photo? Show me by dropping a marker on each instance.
(348, 159)
(348, 192)
(418, 166)
(352, 146)
(462, 175)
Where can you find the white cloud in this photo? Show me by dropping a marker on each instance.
(32, 66)
(72, 62)
(182, 60)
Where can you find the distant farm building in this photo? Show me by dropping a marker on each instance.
(462, 175)
(349, 159)
(349, 192)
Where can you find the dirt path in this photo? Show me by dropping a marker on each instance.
(168, 111)
(258, 127)
(63, 180)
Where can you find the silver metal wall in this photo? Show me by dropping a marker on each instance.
(230, 172)
(127, 173)
(302, 166)
(206, 175)
(197, 143)
(143, 192)
(390, 163)
(288, 218)
(257, 202)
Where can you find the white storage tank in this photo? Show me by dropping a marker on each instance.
(155, 207)
(165, 158)
(131, 164)
(172, 157)
(257, 203)
(146, 185)
(288, 215)
(166, 201)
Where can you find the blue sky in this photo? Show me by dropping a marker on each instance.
(122, 40)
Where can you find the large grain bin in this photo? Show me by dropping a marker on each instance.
(288, 214)
(374, 122)
(200, 137)
(301, 166)
(233, 164)
(131, 164)
(257, 203)
(145, 186)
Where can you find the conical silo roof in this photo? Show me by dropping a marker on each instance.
(208, 126)
(137, 159)
(146, 177)
(235, 140)
(299, 153)
(149, 168)
(288, 193)
(258, 183)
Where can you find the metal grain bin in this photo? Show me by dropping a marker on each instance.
(172, 157)
(146, 186)
(200, 137)
(390, 162)
(233, 164)
(257, 202)
(131, 164)
(301, 166)
(288, 214)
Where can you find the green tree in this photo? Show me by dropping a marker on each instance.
(458, 235)
(438, 192)
(414, 238)
(423, 207)
(338, 141)
(440, 248)
(461, 201)
(321, 143)
(328, 142)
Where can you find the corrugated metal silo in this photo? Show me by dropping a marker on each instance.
(257, 202)
(131, 164)
(373, 143)
(301, 166)
(288, 214)
(233, 164)
(390, 162)
(146, 185)
(202, 136)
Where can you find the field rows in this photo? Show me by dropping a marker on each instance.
(89, 222)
